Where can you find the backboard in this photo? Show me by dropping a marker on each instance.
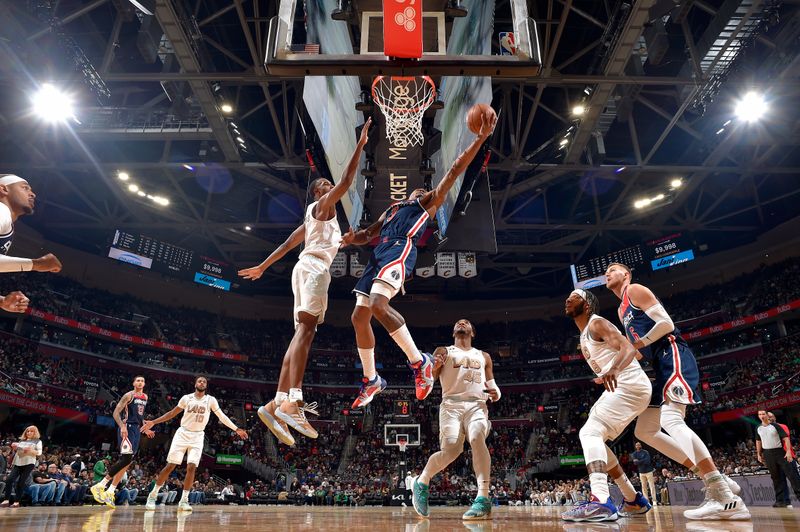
(392, 433)
(291, 51)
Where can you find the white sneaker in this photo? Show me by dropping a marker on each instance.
(714, 507)
(184, 506)
(150, 504)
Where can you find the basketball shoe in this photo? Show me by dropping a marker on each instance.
(151, 503)
(269, 418)
(369, 389)
(419, 497)
(592, 510)
(294, 414)
(110, 498)
(481, 509)
(423, 376)
(184, 506)
(718, 507)
(638, 506)
(99, 493)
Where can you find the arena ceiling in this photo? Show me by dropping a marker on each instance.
(659, 105)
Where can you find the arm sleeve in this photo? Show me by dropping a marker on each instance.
(225, 420)
(15, 264)
(663, 324)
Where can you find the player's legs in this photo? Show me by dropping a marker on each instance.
(292, 411)
(372, 383)
(183, 504)
(648, 430)
(451, 444)
(721, 502)
(476, 421)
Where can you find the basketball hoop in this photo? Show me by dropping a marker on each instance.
(402, 444)
(403, 100)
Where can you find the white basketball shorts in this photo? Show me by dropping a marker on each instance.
(615, 410)
(455, 418)
(188, 443)
(310, 281)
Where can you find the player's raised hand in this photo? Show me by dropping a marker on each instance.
(242, 433)
(251, 273)
(47, 263)
(15, 302)
(487, 126)
(364, 138)
(439, 357)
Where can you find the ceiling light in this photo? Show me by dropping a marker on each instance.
(226, 108)
(578, 110)
(659, 197)
(141, 193)
(189, 167)
(123, 176)
(676, 183)
(52, 105)
(563, 142)
(751, 107)
(248, 228)
(133, 187)
(240, 139)
(620, 170)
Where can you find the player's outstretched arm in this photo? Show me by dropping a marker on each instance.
(329, 200)
(602, 330)
(363, 236)
(491, 386)
(294, 240)
(14, 302)
(435, 198)
(645, 299)
(225, 420)
(166, 417)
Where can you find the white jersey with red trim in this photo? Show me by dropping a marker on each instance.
(323, 237)
(599, 355)
(463, 375)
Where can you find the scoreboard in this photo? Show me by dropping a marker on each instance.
(163, 257)
(402, 408)
(660, 253)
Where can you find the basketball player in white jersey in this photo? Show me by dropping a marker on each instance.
(465, 374)
(627, 392)
(188, 439)
(310, 279)
(18, 199)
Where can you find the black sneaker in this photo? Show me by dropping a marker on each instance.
(780, 505)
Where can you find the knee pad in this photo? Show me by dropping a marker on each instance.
(593, 440)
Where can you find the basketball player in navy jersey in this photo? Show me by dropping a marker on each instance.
(129, 415)
(390, 265)
(18, 199)
(650, 329)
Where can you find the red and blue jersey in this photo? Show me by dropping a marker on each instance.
(404, 219)
(636, 324)
(134, 412)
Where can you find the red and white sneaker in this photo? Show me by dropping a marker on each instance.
(369, 389)
(423, 376)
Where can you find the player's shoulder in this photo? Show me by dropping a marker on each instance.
(6, 223)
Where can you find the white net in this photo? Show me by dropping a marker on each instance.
(403, 100)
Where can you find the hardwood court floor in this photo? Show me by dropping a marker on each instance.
(371, 519)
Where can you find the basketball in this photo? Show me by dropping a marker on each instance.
(474, 116)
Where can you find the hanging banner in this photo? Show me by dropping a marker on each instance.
(467, 266)
(446, 264)
(426, 272)
(339, 265)
(356, 268)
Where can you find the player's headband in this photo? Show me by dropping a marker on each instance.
(10, 179)
(580, 293)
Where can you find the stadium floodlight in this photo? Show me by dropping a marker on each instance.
(123, 176)
(578, 110)
(248, 228)
(53, 105)
(133, 187)
(676, 183)
(751, 107)
(226, 108)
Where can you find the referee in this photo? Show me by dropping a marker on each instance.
(770, 452)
